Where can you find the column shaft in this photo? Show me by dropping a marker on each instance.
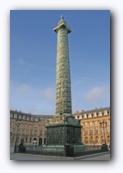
(63, 83)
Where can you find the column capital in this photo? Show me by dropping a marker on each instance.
(62, 24)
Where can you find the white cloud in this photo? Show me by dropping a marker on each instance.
(32, 99)
(97, 94)
(25, 91)
(49, 94)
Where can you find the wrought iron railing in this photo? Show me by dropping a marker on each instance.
(61, 150)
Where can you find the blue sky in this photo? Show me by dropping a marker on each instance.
(33, 59)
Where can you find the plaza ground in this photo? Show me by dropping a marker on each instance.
(92, 157)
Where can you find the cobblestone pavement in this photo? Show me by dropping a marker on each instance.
(24, 157)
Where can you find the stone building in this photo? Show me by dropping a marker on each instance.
(31, 128)
(27, 128)
(95, 126)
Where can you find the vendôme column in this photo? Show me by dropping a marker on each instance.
(63, 134)
(63, 82)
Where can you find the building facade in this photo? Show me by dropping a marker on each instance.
(95, 126)
(27, 128)
(30, 129)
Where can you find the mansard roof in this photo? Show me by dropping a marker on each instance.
(92, 111)
(30, 115)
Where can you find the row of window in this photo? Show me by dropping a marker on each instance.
(90, 115)
(91, 123)
(29, 118)
(27, 140)
(97, 131)
(23, 131)
(97, 139)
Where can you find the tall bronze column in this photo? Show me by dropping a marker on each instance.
(63, 82)
(63, 131)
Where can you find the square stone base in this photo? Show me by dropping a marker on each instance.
(63, 131)
(63, 136)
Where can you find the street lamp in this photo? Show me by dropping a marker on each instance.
(17, 124)
(103, 124)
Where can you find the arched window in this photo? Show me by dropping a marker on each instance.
(96, 139)
(22, 140)
(18, 140)
(86, 140)
(108, 139)
(86, 132)
(40, 141)
(35, 141)
(95, 123)
(26, 139)
(102, 140)
(91, 140)
(91, 131)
